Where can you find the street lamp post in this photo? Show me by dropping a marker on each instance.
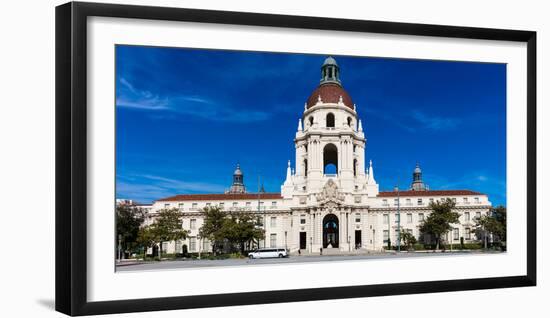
(260, 212)
(200, 246)
(452, 238)
(398, 221)
(119, 247)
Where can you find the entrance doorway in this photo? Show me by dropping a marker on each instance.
(303, 240)
(358, 239)
(330, 231)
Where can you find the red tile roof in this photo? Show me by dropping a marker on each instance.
(411, 193)
(222, 196)
(254, 196)
(330, 93)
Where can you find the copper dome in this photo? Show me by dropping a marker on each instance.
(330, 93)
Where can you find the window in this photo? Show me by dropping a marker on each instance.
(455, 234)
(205, 245)
(420, 216)
(194, 205)
(235, 204)
(248, 204)
(208, 204)
(431, 200)
(467, 216)
(386, 218)
(274, 203)
(262, 203)
(395, 202)
(273, 221)
(192, 244)
(193, 224)
(302, 221)
(221, 205)
(180, 205)
(409, 218)
(454, 200)
(273, 240)
(465, 200)
(468, 235)
(419, 201)
(311, 120)
(357, 217)
(386, 236)
(476, 200)
(478, 215)
(408, 201)
(385, 202)
(166, 205)
(330, 120)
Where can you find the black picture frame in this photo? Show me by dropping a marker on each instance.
(71, 154)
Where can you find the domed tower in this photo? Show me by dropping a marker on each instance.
(238, 182)
(330, 143)
(418, 184)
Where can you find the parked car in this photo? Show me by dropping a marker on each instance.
(268, 253)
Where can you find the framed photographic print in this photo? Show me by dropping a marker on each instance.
(209, 158)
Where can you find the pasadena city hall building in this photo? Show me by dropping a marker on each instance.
(344, 211)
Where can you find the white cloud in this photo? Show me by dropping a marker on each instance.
(147, 188)
(196, 106)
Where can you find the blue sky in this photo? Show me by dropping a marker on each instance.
(186, 117)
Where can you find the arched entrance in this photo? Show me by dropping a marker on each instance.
(330, 231)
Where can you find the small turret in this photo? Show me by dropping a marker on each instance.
(238, 182)
(418, 184)
(370, 179)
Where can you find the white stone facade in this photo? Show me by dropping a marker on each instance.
(314, 210)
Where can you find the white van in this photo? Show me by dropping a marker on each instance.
(268, 252)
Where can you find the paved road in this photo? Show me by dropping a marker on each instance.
(175, 264)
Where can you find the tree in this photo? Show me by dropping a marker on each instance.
(493, 223)
(129, 219)
(213, 227)
(236, 228)
(168, 227)
(408, 238)
(240, 228)
(145, 239)
(440, 219)
(499, 214)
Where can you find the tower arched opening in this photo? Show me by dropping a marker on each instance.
(330, 120)
(330, 159)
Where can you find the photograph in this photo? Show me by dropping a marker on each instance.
(247, 158)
